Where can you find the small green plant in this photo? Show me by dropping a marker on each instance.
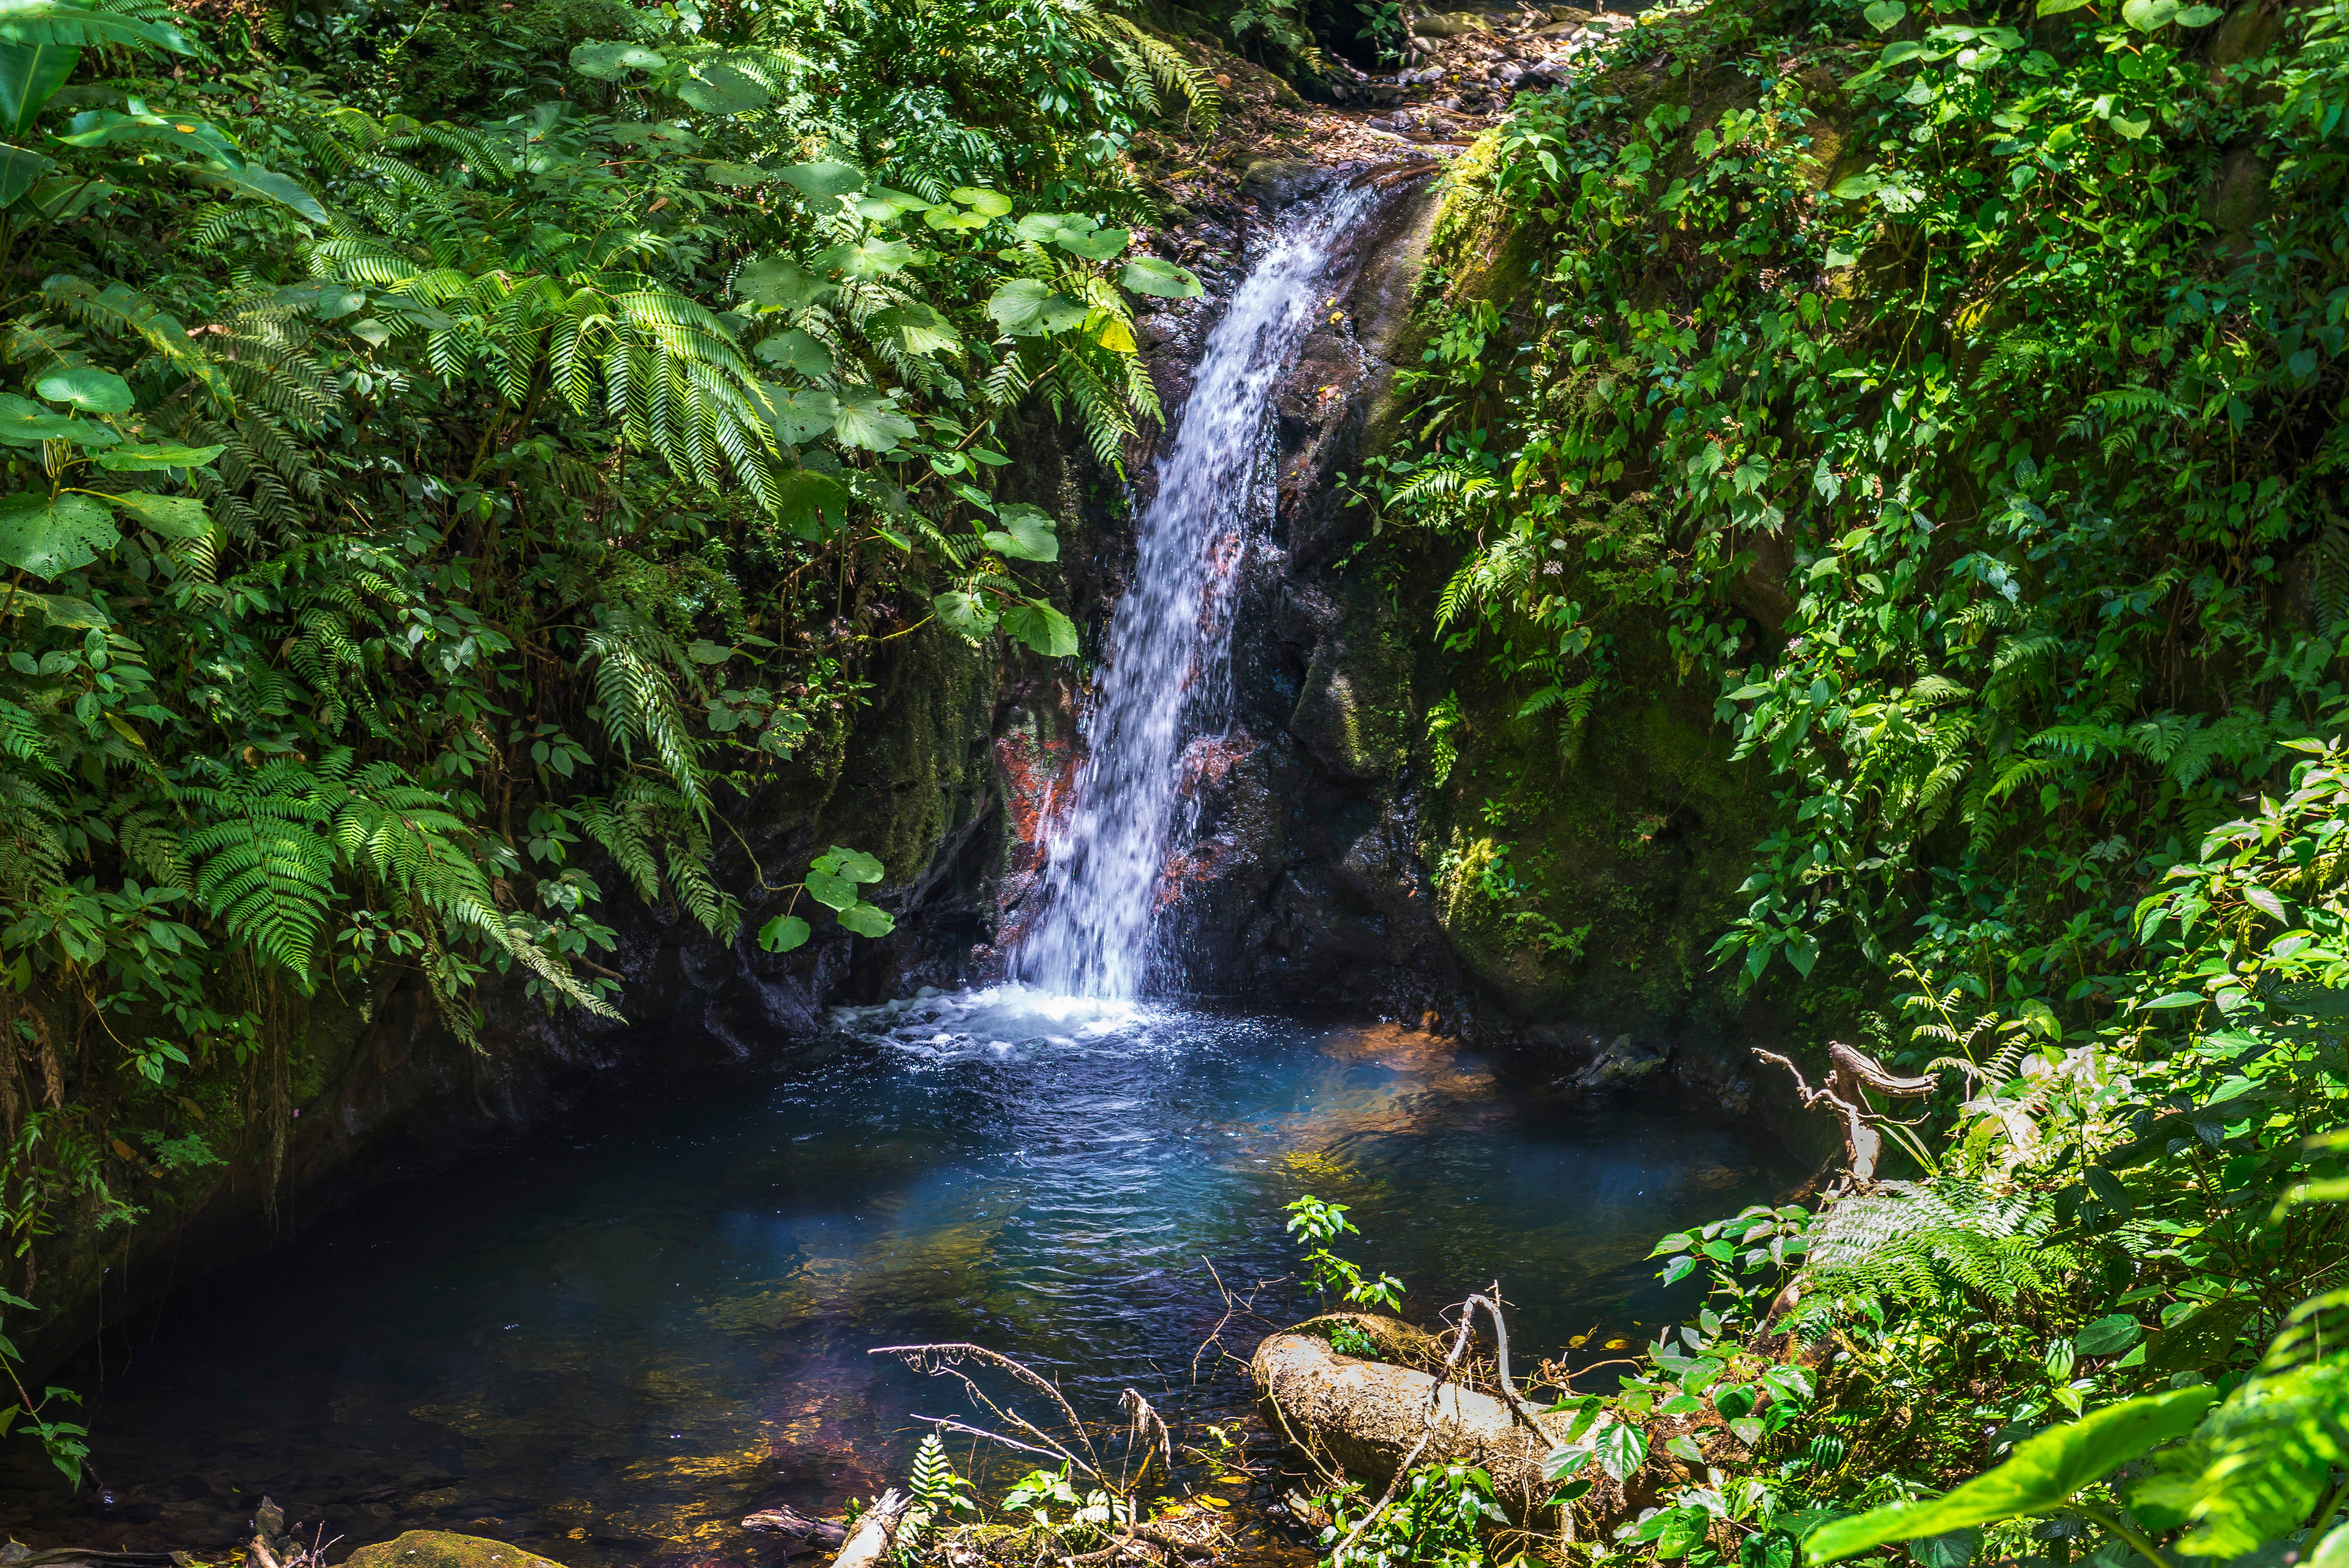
(1312, 1220)
(1436, 1523)
(1382, 25)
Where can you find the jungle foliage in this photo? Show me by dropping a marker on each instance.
(1958, 394)
(450, 448)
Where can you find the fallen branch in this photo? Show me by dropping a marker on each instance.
(875, 1532)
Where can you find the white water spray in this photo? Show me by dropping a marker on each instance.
(1168, 659)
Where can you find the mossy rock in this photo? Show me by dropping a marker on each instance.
(443, 1549)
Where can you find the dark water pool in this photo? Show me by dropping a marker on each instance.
(611, 1342)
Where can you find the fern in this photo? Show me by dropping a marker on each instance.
(1921, 1242)
(259, 865)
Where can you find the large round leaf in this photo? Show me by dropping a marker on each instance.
(866, 258)
(823, 178)
(51, 536)
(779, 281)
(986, 203)
(1026, 309)
(868, 419)
(722, 90)
(832, 892)
(1026, 534)
(172, 516)
(1041, 628)
(1156, 275)
(610, 62)
(87, 388)
(867, 920)
(24, 423)
(1100, 245)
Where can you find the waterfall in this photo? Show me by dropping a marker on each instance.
(1167, 678)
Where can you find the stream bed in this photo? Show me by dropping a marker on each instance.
(609, 1342)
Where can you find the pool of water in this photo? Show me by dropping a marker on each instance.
(611, 1342)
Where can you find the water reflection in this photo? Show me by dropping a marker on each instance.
(611, 1344)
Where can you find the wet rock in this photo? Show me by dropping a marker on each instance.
(1273, 184)
(443, 1549)
(1451, 23)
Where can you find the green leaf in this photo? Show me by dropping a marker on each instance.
(2332, 1551)
(986, 203)
(971, 615)
(2174, 999)
(2149, 15)
(610, 61)
(720, 89)
(867, 920)
(950, 219)
(917, 328)
(2057, 7)
(2108, 1335)
(882, 205)
(1026, 534)
(1041, 628)
(2044, 1473)
(87, 388)
(784, 933)
(797, 350)
(867, 419)
(2131, 129)
(2199, 16)
(866, 258)
(1099, 245)
(832, 892)
(779, 282)
(51, 537)
(725, 171)
(1026, 309)
(172, 516)
(810, 504)
(797, 416)
(24, 423)
(1953, 1550)
(854, 865)
(104, 128)
(20, 171)
(1621, 1450)
(252, 180)
(30, 75)
(2197, 1341)
(50, 22)
(1155, 275)
(139, 458)
(823, 178)
(1885, 14)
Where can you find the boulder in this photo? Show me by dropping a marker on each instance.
(443, 1549)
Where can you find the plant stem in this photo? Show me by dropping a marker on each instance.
(2128, 1533)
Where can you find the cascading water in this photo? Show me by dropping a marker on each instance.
(1167, 679)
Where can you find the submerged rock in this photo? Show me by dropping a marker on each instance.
(444, 1548)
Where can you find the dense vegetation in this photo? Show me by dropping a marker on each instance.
(1959, 395)
(445, 444)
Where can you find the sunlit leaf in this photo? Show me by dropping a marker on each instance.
(2044, 1473)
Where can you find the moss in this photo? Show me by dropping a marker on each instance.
(441, 1549)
